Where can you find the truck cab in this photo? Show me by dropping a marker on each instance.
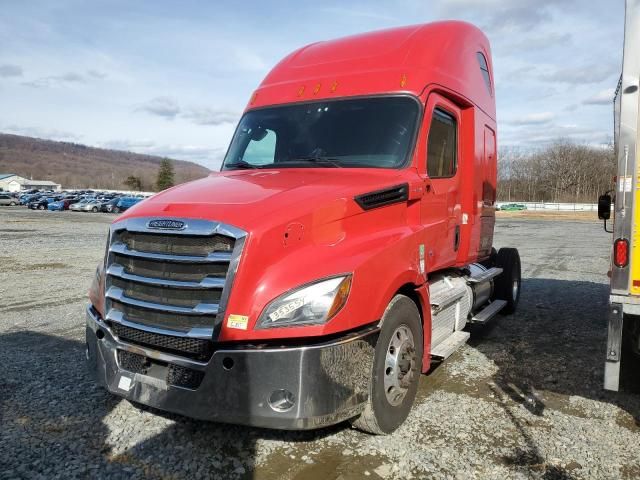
(345, 243)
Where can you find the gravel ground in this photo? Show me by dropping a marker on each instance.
(522, 400)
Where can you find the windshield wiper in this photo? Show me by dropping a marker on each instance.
(323, 160)
(240, 165)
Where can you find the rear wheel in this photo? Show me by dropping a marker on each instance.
(507, 284)
(94, 209)
(13, 204)
(116, 210)
(40, 207)
(396, 369)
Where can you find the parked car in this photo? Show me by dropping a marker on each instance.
(78, 206)
(42, 203)
(93, 206)
(513, 207)
(125, 203)
(6, 199)
(109, 206)
(25, 199)
(60, 205)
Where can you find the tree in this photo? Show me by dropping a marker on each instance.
(165, 175)
(133, 182)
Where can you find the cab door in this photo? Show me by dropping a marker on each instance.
(441, 210)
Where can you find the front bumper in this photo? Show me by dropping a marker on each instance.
(292, 388)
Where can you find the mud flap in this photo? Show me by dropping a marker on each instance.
(614, 348)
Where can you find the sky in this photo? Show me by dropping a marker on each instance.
(172, 78)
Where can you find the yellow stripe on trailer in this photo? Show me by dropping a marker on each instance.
(634, 258)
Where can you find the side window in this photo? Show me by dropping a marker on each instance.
(261, 151)
(484, 69)
(442, 150)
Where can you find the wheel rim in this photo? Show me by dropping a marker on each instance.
(514, 289)
(399, 368)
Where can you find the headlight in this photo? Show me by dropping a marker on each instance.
(312, 304)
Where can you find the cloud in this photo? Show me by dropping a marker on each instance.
(66, 79)
(208, 156)
(358, 13)
(535, 42)
(210, 116)
(165, 107)
(540, 135)
(38, 132)
(603, 97)
(9, 70)
(593, 73)
(533, 119)
(168, 108)
(97, 74)
(497, 16)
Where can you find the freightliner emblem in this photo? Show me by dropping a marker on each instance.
(165, 224)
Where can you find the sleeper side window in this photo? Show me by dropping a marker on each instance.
(442, 151)
(484, 69)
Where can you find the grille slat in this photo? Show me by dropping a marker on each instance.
(177, 271)
(117, 294)
(166, 321)
(167, 295)
(166, 282)
(118, 271)
(175, 244)
(214, 257)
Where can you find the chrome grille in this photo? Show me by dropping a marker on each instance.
(170, 284)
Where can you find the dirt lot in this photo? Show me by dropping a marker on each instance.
(522, 400)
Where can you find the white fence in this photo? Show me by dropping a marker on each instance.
(559, 207)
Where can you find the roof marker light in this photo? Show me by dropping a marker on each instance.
(317, 89)
(403, 80)
(301, 91)
(334, 87)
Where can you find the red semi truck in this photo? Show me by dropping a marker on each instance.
(345, 243)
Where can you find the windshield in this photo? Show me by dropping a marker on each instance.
(365, 132)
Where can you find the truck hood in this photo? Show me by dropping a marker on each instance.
(250, 198)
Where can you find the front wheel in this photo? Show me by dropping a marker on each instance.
(94, 210)
(396, 369)
(507, 284)
(40, 207)
(13, 204)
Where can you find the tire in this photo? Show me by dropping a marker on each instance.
(116, 210)
(40, 207)
(388, 406)
(13, 204)
(508, 284)
(94, 209)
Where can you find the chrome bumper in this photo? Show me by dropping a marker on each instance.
(292, 388)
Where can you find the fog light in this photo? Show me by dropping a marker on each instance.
(281, 400)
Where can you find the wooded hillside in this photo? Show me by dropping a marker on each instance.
(78, 166)
(561, 172)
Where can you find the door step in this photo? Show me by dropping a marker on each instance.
(445, 348)
(490, 311)
(486, 275)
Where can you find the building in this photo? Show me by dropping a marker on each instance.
(10, 182)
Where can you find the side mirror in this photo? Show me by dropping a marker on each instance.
(604, 207)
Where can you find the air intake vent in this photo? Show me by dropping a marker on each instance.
(382, 198)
